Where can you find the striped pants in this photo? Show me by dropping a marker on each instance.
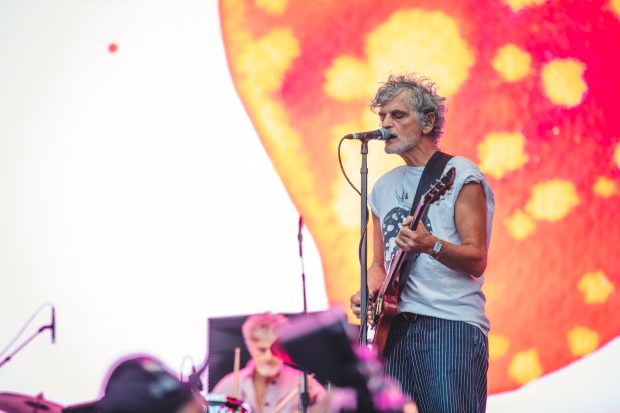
(441, 364)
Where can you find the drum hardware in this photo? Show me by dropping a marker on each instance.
(19, 403)
(219, 403)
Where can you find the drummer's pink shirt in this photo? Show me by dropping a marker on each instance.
(277, 390)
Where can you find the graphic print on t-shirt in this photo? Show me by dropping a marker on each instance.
(393, 220)
(390, 227)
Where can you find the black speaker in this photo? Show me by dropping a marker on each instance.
(325, 344)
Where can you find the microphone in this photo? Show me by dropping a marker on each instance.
(379, 134)
(53, 326)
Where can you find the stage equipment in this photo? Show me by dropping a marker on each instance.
(219, 403)
(324, 343)
(19, 403)
(51, 327)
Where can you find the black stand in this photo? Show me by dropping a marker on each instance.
(363, 246)
(24, 344)
(304, 397)
(301, 257)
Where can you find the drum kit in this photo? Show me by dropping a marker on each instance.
(218, 403)
(19, 403)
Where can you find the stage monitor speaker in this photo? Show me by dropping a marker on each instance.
(323, 343)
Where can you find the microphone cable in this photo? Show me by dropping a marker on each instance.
(344, 173)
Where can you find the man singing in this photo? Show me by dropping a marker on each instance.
(437, 346)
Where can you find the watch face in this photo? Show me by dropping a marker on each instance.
(437, 248)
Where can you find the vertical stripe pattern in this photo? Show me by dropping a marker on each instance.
(441, 364)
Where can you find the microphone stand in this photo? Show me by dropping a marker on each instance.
(24, 344)
(301, 258)
(304, 397)
(363, 245)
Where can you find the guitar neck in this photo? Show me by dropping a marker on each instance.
(417, 216)
(400, 255)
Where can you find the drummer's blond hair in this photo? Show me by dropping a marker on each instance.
(258, 322)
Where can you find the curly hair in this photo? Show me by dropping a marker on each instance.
(423, 98)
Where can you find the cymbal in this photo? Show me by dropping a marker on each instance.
(19, 403)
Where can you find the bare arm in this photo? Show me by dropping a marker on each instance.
(470, 217)
(376, 270)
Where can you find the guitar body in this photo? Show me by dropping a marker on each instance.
(386, 303)
(390, 308)
(385, 306)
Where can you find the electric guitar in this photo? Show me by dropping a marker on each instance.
(384, 308)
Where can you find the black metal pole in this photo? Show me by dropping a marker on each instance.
(363, 245)
(304, 397)
(300, 239)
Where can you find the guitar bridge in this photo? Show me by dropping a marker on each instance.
(377, 310)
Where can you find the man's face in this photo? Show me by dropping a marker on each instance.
(267, 364)
(402, 121)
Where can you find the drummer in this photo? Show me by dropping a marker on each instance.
(266, 383)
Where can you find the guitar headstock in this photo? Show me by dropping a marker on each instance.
(439, 188)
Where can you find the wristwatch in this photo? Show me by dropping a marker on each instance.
(436, 248)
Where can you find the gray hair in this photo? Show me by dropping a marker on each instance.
(423, 98)
(265, 321)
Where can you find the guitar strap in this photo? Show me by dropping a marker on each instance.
(432, 171)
